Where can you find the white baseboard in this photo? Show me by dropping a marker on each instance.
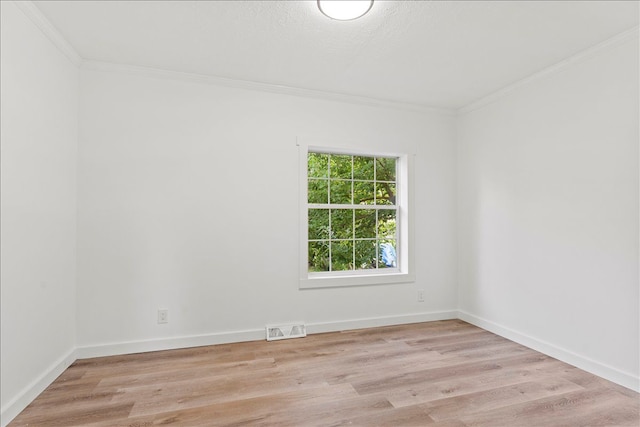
(144, 346)
(600, 369)
(16, 405)
(130, 347)
(372, 322)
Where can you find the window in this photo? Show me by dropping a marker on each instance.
(354, 228)
(352, 212)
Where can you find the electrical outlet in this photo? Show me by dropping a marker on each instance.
(163, 316)
(420, 295)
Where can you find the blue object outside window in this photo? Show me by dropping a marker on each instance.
(388, 255)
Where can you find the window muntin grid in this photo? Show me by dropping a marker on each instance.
(352, 212)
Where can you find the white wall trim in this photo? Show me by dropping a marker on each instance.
(373, 322)
(31, 391)
(260, 86)
(33, 13)
(553, 69)
(605, 371)
(49, 30)
(130, 347)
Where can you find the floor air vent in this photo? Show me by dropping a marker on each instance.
(283, 332)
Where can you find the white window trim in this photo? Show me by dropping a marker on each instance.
(404, 273)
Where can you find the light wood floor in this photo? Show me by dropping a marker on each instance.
(446, 373)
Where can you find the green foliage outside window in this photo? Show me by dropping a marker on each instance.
(352, 211)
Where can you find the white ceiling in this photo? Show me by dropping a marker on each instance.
(434, 53)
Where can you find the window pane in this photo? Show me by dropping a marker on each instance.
(342, 255)
(387, 257)
(362, 233)
(387, 224)
(318, 224)
(385, 193)
(385, 169)
(341, 192)
(363, 193)
(342, 223)
(318, 191)
(365, 220)
(363, 168)
(340, 166)
(319, 256)
(318, 165)
(365, 254)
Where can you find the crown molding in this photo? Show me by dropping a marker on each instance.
(553, 69)
(33, 13)
(41, 21)
(259, 86)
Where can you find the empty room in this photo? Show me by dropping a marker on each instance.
(320, 213)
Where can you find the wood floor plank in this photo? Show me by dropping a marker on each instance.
(580, 408)
(484, 382)
(435, 374)
(186, 373)
(411, 416)
(75, 417)
(393, 380)
(490, 350)
(319, 405)
(497, 397)
(330, 412)
(200, 392)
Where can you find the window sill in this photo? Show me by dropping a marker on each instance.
(316, 282)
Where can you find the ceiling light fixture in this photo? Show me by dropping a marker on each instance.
(344, 10)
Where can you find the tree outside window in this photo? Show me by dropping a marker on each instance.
(352, 212)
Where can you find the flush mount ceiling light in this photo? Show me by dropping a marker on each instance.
(344, 10)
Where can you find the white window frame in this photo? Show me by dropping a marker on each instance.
(404, 200)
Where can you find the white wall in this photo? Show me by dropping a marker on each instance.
(188, 200)
(548, 213)
(38, 188)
